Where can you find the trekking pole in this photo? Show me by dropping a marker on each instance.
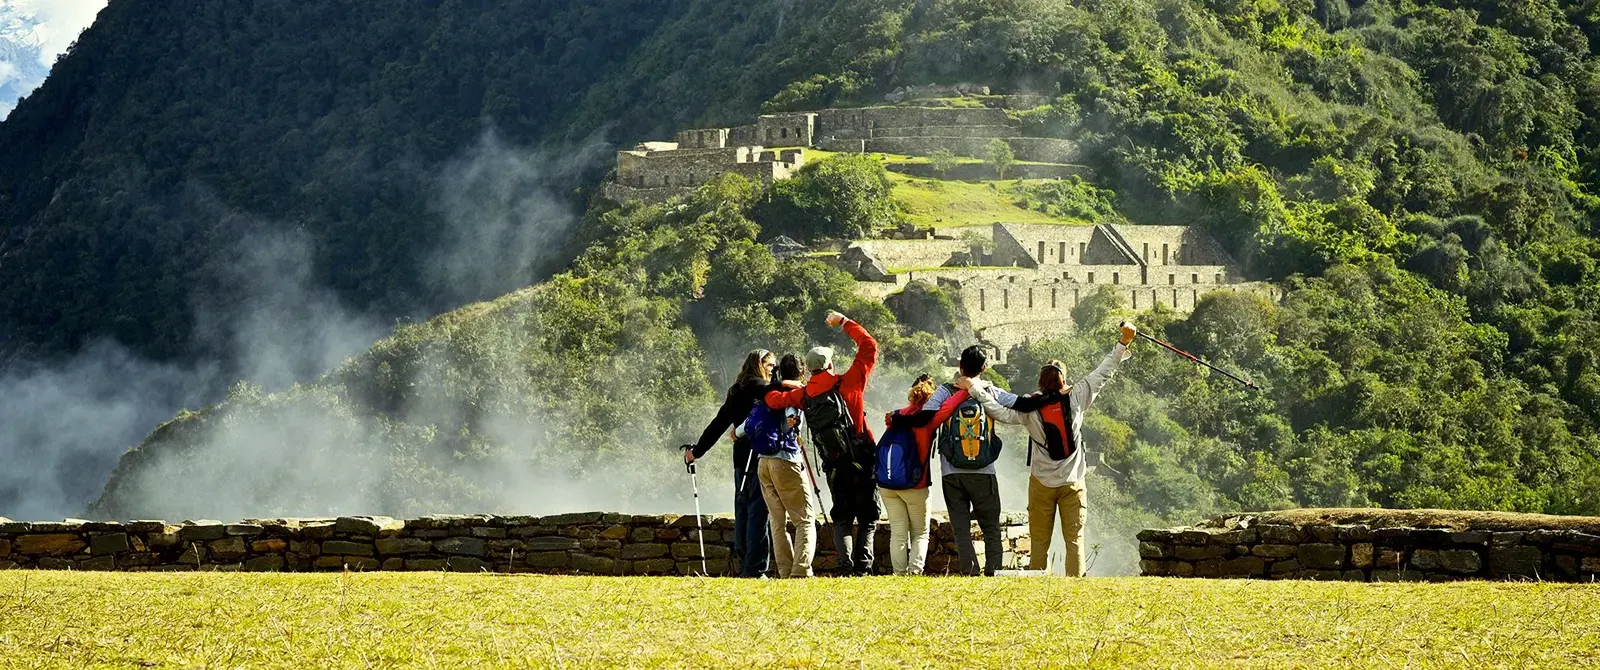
(1196, 360)
(812, 473)
(699, 532)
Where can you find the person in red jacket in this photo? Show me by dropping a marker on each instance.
(908, 508)
(844, 440)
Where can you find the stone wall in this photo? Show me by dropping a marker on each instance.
(1382, 545)
(904, 254)
(582, 543)
(649, 196)
(985, 171)
(1040, 149)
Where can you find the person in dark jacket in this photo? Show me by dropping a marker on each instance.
(751, 542)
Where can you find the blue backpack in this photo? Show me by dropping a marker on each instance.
(899, 467)
(772, 431)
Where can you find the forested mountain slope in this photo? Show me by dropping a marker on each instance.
(1420, 178)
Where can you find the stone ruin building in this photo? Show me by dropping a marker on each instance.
(774, 146)
(1022, 281)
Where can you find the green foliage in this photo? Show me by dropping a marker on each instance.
(1001, 157)
(943, 161)
(838, 197)
(1069, 198)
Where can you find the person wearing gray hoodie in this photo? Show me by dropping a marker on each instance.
(1056, 456)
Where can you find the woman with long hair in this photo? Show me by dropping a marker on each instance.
(750, 536)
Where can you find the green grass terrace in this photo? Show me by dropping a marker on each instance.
(77, 620)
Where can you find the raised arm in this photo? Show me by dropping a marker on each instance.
(1088, 388)
(949, 407)
(866, 354)
(985, 394)
(792, 398)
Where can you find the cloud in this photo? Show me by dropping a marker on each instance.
(57, 23)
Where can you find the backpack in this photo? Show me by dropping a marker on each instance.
(1059, 442)
(834, 432)
(900, 466)
(771, 431)
(967, 440)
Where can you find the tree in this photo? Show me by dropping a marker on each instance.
(1001, 157)
(943, 161)
(925, 307)
(838, 197)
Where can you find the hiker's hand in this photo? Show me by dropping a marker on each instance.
(835, 318)
(1128, 332)
(964, 383)
(888, 417)
(688, 456)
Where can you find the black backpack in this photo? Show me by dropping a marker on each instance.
(834, 432)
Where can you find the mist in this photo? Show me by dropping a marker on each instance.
(65, 423)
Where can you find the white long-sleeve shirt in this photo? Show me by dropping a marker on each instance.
(943, 393)
(1050, 472)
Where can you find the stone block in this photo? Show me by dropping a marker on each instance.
(137, 559)
(594, 564)
(1461, 561)
(643, 535)
(12, 527)
(1578, 542)
(1506, 539)
(1228, 538)
(1517, 561)
(1361, 555)
(487, 532)
(1322, 575)
(692, 550)
(1211, 567)
(547, 559)
(55, 563)
(403, 545)
(1276, 534)
(1157, 535)
(145, 526)
(1566, 564)
(361, 563)
(1243, 566)
(1194, 553)
(1192, 536)
(1354, 533)
(424, 564)
(671, 534)
(551, 544)
(1388, 558)
(466, 564)
(1328, 534)
(321, 530)
(463, 546)
(1355, 575)
(102, 527)
(1320, 556)
(328, 563)
(1182, 569)
(654, 566)
(101, 563)
(63, 526)
(8, 565)
(271, 546)
(264, 564)
(1470, 537)
(1591, 564)
(430, 534)
(114, 543)
(305, 548)
(163, 540)
(195, 531)
(1275, 550)
(600, 545)
(1155, 550)
(374, 526)
(1431, 537)
(638, 551)
(54, 544)
(1425, 559)
(244, 529)
(1290, 566)
(1393, 537)
(5, 548)
(617, 532)
(346, 548)
(228, 549)
(570, 519)
(1154, 568)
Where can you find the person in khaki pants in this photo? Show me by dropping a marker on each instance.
(1054, 419)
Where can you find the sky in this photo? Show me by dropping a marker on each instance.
(32, 34)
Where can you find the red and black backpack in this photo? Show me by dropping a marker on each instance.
(1056, 415)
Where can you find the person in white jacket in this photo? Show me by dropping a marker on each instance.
(1056, 458)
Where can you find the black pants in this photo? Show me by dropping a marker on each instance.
(855, 516)
(968, 496)
(752, 544)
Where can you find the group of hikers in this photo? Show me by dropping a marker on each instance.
(772, 398)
